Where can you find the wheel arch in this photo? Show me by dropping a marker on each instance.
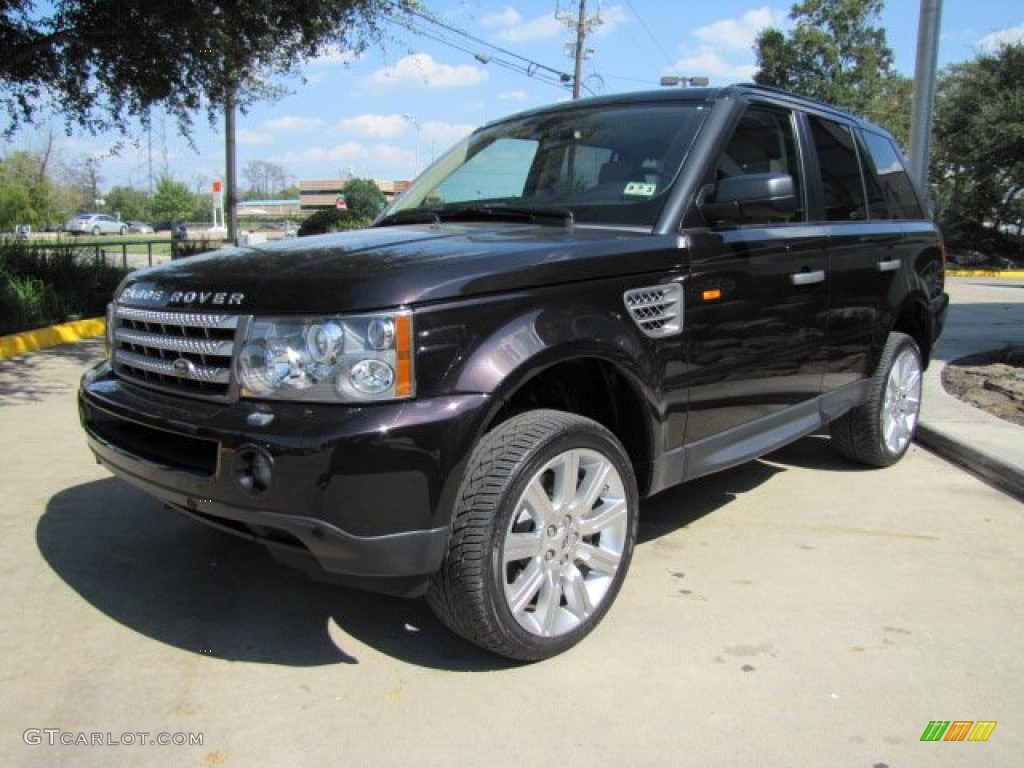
(591, 386)
(915, 320)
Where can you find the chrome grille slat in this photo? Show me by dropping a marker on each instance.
(202, 373)
(186, 352)
(186, 319)
(174, 343)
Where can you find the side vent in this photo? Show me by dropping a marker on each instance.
(658, 310)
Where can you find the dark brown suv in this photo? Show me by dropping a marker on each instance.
(574, 308)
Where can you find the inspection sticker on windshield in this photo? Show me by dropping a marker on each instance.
(640, 189)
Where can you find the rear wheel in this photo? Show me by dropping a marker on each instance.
(542, 537)
(880, 431)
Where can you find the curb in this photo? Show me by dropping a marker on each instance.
(1010, 274)
(1006, 477)
(43, 338)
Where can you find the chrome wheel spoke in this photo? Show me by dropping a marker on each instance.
(521, 546)
(610, 515)
(536, 499)
(576, 595)
(598, 559)
(594, 483)
(548, 603)
(525, 588)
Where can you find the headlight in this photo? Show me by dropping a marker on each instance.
(351, 359)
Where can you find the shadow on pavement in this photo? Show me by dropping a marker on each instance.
(177, 581)
(23, 379)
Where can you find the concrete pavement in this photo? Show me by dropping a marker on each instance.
(797, 610)
(985, 314)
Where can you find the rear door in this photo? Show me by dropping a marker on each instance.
(866, 252)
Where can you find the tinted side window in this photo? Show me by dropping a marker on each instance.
(764, 142)
(897, 191)
(841, 182)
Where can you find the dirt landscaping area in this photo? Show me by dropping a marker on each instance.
(992, 381)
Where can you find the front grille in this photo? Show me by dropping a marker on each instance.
(185, 352)
(658, 310)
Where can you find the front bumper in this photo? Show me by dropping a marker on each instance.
(361, 495)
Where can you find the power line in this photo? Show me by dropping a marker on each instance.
(500, 57)
(636, 13)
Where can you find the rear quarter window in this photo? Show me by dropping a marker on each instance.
(890, 189)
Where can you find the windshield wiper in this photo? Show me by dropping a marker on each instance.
(412, 216)
(533, 214)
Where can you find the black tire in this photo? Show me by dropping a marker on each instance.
(122, 231)
(95, 231)
(879, 432)
(513, 530)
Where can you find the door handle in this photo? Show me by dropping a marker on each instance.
(890, 265)
(808, 278)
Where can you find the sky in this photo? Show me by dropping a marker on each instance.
(387, 113)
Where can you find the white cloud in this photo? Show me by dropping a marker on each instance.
(293, 124)
(994, 41)
(421, 69)
(441, 135)
(739, 33)
(612, 18)
(511, 26)
(381, 126)
(516, 95)
(708, 63)
(724, 50)
(250, 138)
(379, 161)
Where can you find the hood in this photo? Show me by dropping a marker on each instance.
(394, 266)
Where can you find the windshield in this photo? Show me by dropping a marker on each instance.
(609, 165)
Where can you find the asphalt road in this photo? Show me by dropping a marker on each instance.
(797, 611)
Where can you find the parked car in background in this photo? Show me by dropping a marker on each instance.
(140, 227)
(95, 224)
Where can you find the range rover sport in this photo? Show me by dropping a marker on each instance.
(573, 309)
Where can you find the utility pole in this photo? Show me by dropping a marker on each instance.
(578, 50)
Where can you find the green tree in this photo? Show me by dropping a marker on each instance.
(25, 190)
(172, 200)
(978, 158)
(102, 61)
(364, 198)
(835, 53)
(129, 202)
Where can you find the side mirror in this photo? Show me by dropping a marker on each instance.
(754, 196)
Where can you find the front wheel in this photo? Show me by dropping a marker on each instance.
(880, 431)
(542, 536)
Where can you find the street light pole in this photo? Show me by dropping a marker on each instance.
(924, 91)
(231, 190)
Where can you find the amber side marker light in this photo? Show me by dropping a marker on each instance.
(403, 355)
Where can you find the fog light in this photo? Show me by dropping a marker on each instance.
(254, 469)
